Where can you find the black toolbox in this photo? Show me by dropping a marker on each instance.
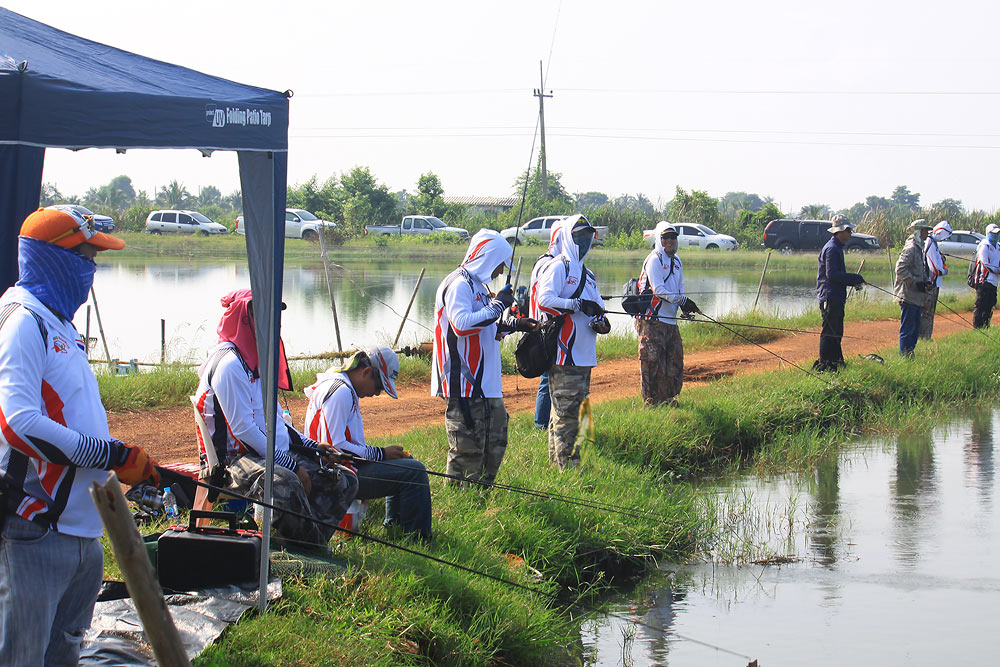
(196, 557)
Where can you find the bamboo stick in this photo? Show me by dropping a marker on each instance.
(130, 553)
(762, 273)
(100, 327)
(329, 288)
(408, 306)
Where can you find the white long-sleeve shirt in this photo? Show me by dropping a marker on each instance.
(48, 399)
(554, 283)
(665, 276)
(936, 267)
(466, 350)
(333, 416)
(233, 408)
(988, 262)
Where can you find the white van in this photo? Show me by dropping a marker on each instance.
(182, 222)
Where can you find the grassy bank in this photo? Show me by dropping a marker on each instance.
(171, 386)
(391, 609)
(233, 246)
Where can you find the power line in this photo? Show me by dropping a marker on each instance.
(500, 135)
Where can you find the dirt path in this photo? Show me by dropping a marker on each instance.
(169, 435)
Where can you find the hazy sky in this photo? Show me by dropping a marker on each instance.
(806, 102)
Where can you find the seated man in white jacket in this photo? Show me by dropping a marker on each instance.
(230, 401)
(334, 416)
(562, 287)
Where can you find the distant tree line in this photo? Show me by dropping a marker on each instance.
(355, 198)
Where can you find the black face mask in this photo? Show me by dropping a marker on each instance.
(583, 241)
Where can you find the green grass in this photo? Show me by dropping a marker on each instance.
(233, 246)
(389, 605)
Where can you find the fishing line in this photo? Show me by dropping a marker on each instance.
(486, 575)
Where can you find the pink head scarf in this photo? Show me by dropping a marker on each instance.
(236, 327)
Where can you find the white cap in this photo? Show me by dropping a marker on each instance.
(386, 363)
(992, 229)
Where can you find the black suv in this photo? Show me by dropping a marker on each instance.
(787, 235)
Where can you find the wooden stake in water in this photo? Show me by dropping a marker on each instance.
(100, 327)
(329, 288)
(130, 554)
(892, 269)
(762, 273)
(517, 274)
(163, 342)
(408, 306)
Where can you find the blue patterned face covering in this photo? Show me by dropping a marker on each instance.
(56, 276)
(993, 238)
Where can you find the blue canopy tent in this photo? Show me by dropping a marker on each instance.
(58, 90)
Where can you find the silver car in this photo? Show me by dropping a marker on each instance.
(961, 242)
(691, 235)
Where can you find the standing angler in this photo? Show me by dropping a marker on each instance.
(936, 271)
(832, 281)
(465, 370)
(910, 286)
(661, 352)
(563, 288)
(54, 443)
(987, 271)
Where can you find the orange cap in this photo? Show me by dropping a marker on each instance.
(67, 230)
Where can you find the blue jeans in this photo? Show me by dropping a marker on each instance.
(403, 484)
(543, 402)
(909, 327)
(48, 586)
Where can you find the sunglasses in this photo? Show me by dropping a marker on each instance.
(669, 235)
(84, 224)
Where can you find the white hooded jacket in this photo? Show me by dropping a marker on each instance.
(555, 278)
(936, 267)
(664, 275)
(466, 347)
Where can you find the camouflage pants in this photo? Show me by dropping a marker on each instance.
(568, 386)
(661, 361)
(332, 493)
(927, 314)
(477, 439)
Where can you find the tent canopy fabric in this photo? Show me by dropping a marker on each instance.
(57, 89)
(60, 90)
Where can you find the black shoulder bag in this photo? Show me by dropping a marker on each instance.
(536, 351)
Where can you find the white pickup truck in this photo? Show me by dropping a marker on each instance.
(541, 230)
(416, 224)
(299, 224)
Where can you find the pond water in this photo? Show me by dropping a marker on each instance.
(895, 546)
(134, 295)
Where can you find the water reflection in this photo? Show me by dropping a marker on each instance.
(898, 566)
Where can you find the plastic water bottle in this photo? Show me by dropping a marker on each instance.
(287, 416)
(169, 503)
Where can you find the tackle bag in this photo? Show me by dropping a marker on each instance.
(635, 302)
(199, 557)
(972, 279)
(536, 351)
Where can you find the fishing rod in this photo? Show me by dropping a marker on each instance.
(749, 326)
(545, 495)
(966, 259)
(524, 196)
(957, 314)
(441, 561)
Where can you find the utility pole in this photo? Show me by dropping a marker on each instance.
(541, 95)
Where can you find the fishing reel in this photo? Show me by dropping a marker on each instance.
(148, 501)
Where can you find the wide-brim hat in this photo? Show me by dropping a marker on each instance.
(67, 229)
(840, 223)
(919, 224)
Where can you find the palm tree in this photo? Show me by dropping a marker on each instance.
(173, 195)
